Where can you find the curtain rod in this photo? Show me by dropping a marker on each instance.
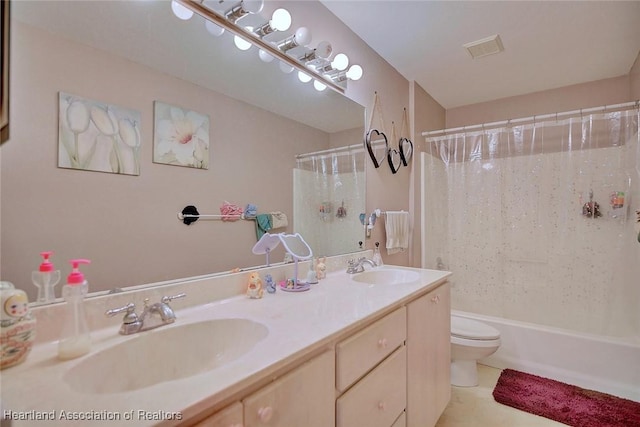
(462, 129)
(354, 148)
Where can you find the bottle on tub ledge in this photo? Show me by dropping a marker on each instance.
(75, 340)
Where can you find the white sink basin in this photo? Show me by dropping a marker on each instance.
(165, 354)
(387, 276)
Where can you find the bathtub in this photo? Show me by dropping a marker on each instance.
(605, 364)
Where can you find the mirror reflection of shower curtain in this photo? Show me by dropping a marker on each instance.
(329, 195)
(504, 209)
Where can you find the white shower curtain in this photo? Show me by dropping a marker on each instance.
(329, 195)
(536, 221)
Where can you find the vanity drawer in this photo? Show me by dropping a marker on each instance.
(379, 398)
(358, 354)
(231, 416)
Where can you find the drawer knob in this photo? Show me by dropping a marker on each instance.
(382, 343)
(435, 299)
(382, 406)
(265, 414)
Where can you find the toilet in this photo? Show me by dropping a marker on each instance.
(470, 340)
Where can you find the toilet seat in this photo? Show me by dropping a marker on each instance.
(472, 330)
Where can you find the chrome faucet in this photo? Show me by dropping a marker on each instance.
(152, 316)
(358, 266)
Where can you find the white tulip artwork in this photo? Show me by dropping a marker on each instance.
(181, 137)
(95, 136)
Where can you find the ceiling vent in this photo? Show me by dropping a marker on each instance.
(484, 47)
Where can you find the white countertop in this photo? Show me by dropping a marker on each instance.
(298, 323)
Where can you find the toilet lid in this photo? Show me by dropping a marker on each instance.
(471, 329)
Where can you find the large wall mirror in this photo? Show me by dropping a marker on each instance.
(132, 54)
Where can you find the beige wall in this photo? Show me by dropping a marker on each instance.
(385, 191)
(593, 94)
(634, 77)
(127, 225)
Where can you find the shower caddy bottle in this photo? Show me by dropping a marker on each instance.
(75, 340)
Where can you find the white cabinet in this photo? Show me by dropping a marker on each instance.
(393, 372)
(302, 397)
(231, 416)
(428, 357)
(365, 349)
(379, 398)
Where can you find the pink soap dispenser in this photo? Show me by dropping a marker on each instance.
(45, 279)
(75, 340)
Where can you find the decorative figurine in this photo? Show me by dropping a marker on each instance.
(254, 289)
(312, 276)
(270, 284)
(321, 268)
(18, 326)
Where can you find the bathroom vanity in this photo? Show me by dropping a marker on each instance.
(345, 353)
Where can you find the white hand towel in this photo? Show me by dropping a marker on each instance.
(397, 227)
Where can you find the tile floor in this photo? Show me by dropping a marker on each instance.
(475, 407)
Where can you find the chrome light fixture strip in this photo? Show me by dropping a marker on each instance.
(197, 7)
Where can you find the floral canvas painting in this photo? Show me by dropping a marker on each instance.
(96, 136)
(181, 137)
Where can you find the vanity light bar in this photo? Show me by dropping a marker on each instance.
(210, 15)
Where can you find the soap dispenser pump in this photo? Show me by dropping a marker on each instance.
(75, 340)
(377, 257)
(45, 278)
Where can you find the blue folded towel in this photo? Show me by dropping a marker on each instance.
(250, 211)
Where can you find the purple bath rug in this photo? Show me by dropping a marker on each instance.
(568, 404)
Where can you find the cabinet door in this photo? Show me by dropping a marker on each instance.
(428, 357)
(231, 416)
(302, 397)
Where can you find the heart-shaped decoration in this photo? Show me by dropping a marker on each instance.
(406, 150)
(394, 159)
(371, 134)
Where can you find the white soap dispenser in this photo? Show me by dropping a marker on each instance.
(75, 340)
(45, 279)
(377, 257)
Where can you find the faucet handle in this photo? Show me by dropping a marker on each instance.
(166, 299)
(129, 308)
(129, 317)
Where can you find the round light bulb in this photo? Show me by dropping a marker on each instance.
(280, 20)
(340, 62)
(304, 77)
(253, 6)
(354, 73)
(264, 56)
(285, 68)
(241, 43)
(319, 86)
(180, 11)
(213, 29)
(324, 50)
(303, 36)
